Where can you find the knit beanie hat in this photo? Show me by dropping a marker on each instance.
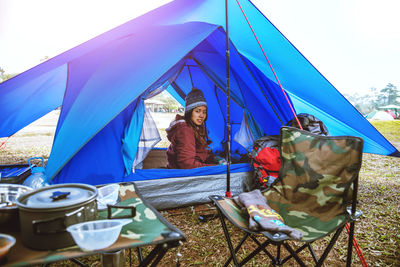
(194, 99)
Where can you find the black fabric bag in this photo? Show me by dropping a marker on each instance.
(309, 123)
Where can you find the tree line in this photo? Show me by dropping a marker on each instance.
(375, 98)
(5, 76)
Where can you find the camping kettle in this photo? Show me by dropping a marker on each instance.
(38, 177)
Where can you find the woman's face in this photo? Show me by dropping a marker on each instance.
(199, 115)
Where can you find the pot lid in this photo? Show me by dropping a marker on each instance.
(63, 195)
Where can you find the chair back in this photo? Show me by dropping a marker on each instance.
(315, 182)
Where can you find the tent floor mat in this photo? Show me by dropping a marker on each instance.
(186, 191)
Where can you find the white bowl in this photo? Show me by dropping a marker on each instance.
(107, 195)
(94, 235)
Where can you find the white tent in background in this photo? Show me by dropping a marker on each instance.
(380, 115)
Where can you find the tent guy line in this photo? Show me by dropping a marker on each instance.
(269, 64)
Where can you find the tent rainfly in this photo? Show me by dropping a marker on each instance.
(101, 86)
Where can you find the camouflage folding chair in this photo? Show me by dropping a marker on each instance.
(316, 193)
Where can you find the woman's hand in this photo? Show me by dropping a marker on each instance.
(220, 161)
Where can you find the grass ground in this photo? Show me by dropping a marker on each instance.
(377, 232)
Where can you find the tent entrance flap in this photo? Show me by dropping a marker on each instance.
(148, 139)
(132, 136)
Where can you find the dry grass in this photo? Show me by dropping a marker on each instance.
(377, 233)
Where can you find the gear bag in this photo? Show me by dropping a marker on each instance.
(266, 160)
(309, 123)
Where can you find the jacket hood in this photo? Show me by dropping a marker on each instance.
(173, 127)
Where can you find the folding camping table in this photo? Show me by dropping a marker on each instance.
(148, 228)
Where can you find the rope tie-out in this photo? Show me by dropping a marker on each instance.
(269, 63)
(357, 248)
(3, 144)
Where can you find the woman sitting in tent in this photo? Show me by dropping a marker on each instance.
(188, 135)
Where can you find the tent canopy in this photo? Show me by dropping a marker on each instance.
(102, 83)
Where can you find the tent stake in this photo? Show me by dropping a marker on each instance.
(228, 108)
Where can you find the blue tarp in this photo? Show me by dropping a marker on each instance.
(176, 46)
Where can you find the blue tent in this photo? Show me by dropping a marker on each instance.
(102, 83)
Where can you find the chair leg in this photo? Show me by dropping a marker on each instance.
(263, 246)
(350, 244)
(294, 254)
(278, 252)
(312, 252)
(78, 263)
(257, 250)
(329, 247)
(318, 262)
(245, 236)
(228, 240)
(233, 251)
(353, 214)
(140, 255)
(160, 255)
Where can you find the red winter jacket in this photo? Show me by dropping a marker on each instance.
(183, 152)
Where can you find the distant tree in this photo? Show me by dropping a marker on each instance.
(4, 76)
(170, 102)
(389, 94)
(374, 98)
(359, 108)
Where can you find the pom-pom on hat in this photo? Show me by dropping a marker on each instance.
(194, 99)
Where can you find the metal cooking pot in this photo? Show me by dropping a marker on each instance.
(8, 208)
(46, 213)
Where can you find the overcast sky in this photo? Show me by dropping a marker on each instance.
(355, 44)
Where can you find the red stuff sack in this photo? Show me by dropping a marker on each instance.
(266, 161)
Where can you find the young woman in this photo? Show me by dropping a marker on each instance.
(188, 135)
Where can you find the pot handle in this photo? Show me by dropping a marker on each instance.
(109, 214)
(53, 225)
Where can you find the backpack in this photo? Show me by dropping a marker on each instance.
(309, 123)
(266, 160)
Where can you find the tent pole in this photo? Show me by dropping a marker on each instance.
(228, 108)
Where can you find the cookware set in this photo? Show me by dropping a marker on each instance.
(43, 215)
